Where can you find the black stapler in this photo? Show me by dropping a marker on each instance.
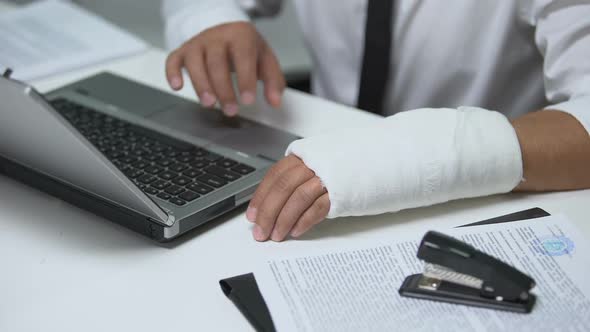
(458, 273)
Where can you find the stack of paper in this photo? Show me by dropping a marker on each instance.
(357, 290)
(53, 36)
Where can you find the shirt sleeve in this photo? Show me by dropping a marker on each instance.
(562, 35)
(185, 19)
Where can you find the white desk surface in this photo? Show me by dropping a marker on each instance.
(64, 269)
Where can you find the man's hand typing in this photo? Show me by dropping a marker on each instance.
(212, 55)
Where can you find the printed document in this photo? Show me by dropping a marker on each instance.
(53, 36)
(357, 289)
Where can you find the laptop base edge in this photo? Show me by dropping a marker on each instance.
(86, 201)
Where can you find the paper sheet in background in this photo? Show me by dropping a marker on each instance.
(54, 36)
(357, 290)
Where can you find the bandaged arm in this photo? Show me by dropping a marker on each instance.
(429, 156)
(413, 159)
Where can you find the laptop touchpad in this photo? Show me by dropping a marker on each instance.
(195, 120)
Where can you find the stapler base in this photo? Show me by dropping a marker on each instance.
(421, 287)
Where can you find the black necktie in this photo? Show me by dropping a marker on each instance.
(375, 70)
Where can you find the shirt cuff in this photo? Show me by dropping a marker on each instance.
(189, 22)
(578, 107)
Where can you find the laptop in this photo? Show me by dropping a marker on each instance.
(151, 161)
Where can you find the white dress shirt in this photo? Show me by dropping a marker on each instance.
(510, 56)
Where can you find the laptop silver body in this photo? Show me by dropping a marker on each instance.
(41, 148)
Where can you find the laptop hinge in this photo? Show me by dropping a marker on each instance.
(7, 73)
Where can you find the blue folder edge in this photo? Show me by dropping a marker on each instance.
(243, 290)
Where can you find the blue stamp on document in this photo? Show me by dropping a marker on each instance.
(557, 245)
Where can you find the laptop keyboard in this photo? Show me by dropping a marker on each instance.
(161, 166)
